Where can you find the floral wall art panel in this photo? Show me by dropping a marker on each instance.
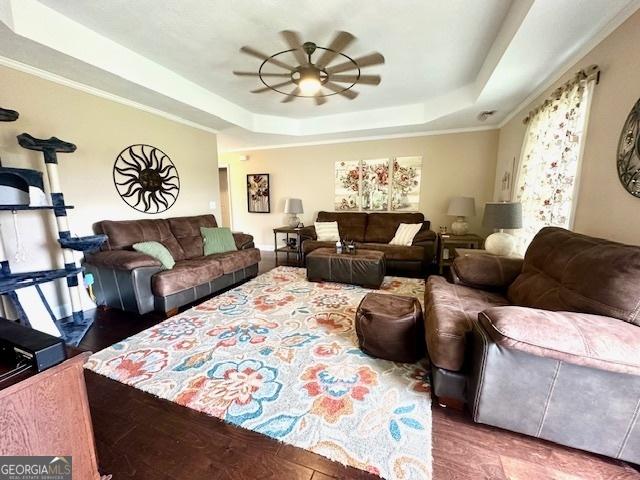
(405, 185)
(374, 194)
(380, 185)
(347, 185)
(258, 193)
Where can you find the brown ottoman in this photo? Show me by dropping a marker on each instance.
(364, 267)
(391, 327)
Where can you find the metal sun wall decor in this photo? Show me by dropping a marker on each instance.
(628, 160)
(258, 193)
(146, 178)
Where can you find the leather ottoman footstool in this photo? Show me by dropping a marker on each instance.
(391, 327)
(364, 267)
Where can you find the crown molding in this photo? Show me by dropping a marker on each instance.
(563, 69)
(60, 80)
(390, 136)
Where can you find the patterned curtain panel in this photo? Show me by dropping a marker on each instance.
(546, 181)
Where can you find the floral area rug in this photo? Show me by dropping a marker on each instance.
(278, 355)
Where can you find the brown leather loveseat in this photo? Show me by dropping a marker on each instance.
(374, 231)
(548, 346)
(135, 282)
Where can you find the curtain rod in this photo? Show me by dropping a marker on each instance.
(590, 73)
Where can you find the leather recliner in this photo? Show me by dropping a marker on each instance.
(548, 345)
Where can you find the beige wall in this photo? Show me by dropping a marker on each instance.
(603, 208)
(101, 129)
(453, 164)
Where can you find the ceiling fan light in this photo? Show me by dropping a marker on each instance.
(309, 86)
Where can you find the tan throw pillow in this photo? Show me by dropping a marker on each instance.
(327, 231)
(405, 233)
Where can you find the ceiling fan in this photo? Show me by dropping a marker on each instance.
(314, 76)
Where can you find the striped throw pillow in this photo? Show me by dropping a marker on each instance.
(327, 231)
(405, 233)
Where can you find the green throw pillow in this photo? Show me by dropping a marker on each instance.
(157, 251)
(217, 240)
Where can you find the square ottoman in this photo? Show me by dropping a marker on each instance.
(391, 327)
(364, 267)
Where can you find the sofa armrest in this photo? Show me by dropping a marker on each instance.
(424, 236)
(593, 341)
(308, 233)
(486, 271)
(122, 260)
(243, 240)
(426, 239)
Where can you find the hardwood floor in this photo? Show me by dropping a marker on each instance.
(141, 437)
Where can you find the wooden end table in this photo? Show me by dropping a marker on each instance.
(462, 252)
(448, 243)
(297, 250)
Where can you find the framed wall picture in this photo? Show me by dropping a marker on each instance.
(258, 193)
(383, 184)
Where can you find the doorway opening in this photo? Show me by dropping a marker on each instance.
(225, 197)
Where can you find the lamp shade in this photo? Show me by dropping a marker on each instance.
(503, 215)
(293, 206)
(462, 207)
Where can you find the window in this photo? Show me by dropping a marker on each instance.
(547, 179)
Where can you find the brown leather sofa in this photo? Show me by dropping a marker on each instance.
(374, 231)
(548, 346)
(135, 282)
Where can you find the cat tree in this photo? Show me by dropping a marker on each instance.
(19, 186)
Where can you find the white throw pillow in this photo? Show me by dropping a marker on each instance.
(327, 231)
(405, 233)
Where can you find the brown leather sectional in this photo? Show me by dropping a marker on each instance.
(549, 345)
(136, 282)
(374, 231)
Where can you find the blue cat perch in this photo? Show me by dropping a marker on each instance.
(17, 184)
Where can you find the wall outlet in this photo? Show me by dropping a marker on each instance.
(212, 205)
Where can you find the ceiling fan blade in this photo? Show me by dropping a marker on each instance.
(293, 40)
(277, 85)
(256, 74)
(364, 79)
(255, 53)
(350, 94)
(291, 96)
(366, 61)
(339, 43)
(320, 99)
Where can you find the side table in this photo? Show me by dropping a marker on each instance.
(297, 250)
(461, 252)
(447, 243)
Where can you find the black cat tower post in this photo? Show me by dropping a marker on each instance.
(23, 189)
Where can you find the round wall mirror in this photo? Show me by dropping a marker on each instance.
(628, 159)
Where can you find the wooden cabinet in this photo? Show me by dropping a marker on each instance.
(48, 414)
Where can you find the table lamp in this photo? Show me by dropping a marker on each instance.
(501, 215)
(293, 206)
(461, 207)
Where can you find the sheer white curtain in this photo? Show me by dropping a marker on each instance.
(547, 178)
